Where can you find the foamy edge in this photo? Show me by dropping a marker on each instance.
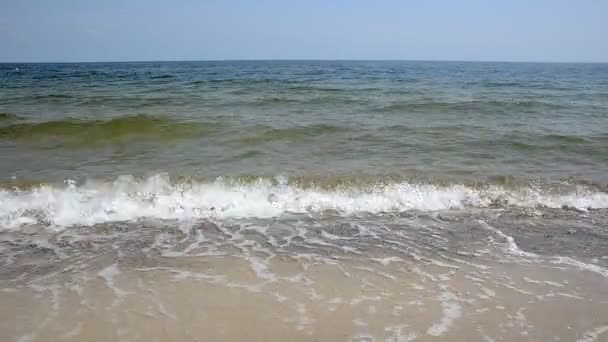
(127, 199)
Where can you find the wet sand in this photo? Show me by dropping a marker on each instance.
(306, 298)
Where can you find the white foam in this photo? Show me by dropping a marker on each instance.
(593, 335)
(261, 269)
(387, 261)
(127, 199)
(27, 337)
(108, 274)
(398, 333)
(450, 311)
(511, 246)
(75, 331)
(581, 265)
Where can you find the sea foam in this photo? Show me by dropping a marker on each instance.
(127, 198)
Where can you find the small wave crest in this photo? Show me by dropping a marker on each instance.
(292, 133)
(7, 116)
(78, 132)
(483, 105)
(127, 198)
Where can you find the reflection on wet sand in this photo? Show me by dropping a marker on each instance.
(359, 279)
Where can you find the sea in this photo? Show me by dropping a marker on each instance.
(304, 201)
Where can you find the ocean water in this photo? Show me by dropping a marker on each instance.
(304, 200)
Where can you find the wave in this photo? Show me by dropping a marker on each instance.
(292, 133)
(500, 84)
(79, 132)
(492, 105)
(567, 139)
(542, 142)
(7, 116)
(139, 102)
(162, 76)
(128, 198)
(48, 97)
(295, 99)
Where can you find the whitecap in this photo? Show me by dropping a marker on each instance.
(127, 199)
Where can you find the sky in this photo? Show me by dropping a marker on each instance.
(150, 30)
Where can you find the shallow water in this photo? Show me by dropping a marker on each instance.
(313, 201)
(455, 275)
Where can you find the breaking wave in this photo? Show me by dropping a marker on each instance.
(128, 198)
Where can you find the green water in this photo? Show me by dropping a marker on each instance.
(448, 121)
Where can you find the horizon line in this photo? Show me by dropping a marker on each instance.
(304, 60)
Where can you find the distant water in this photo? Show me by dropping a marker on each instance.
(492, 172)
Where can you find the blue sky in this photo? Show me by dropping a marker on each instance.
(128, 30)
